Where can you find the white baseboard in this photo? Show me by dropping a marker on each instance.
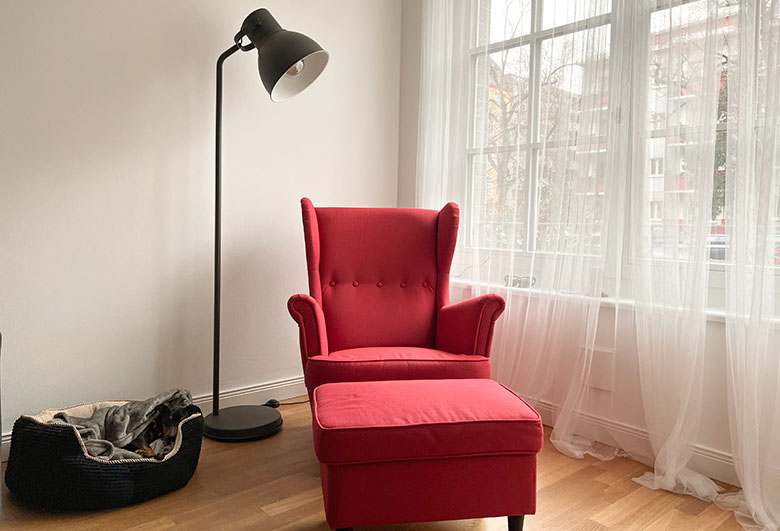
(253, 394)
(4, 446)
(713, 463)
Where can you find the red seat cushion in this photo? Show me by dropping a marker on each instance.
(392, 363)
(365, 422)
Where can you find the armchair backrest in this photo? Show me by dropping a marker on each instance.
(380, 274)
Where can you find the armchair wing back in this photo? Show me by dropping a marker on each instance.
(380, 275)
(378, 305)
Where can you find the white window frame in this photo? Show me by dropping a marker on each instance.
(532, 146)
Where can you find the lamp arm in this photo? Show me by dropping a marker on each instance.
(218, 224)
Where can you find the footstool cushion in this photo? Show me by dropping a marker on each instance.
(424, 450)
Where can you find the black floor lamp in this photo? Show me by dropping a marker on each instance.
(288, 63)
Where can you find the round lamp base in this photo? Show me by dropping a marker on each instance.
(242, 423)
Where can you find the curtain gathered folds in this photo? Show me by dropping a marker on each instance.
(671, 220)
(752, 183)
(616, 163)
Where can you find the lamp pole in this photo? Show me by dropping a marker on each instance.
(218, 225)
(288, 62)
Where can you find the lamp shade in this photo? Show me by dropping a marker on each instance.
(288, 62)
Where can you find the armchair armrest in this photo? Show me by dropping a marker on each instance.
(307, 312)
(467, 327)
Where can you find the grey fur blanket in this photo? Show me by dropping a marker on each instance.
(110, 428)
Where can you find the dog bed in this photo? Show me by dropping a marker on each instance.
(49, 465)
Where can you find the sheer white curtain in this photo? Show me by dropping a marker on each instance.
(611, 155)
(517, 126)
(752, 183)
(444, 88)
(676, 120)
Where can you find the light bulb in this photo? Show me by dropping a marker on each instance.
(295, 69)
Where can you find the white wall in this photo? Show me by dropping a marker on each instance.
(106, 188)
(409, 101)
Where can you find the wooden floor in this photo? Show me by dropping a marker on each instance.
(274, 484)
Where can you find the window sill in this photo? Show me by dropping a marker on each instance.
(715, 315)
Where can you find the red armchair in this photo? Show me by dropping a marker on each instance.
(378, 305)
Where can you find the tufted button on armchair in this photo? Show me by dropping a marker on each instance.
(378, 305)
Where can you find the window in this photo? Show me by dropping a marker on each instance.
(536, 122)
(655, 210)
(674, 88)
(533, 122)
(657, 166)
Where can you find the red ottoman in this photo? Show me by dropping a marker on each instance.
(395, 452)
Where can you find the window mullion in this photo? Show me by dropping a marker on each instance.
(534, 88)
(467, 186)
(468, 195)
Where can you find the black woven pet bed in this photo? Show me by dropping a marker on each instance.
(49, 465)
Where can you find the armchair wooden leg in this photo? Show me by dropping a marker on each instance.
(516, 522)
